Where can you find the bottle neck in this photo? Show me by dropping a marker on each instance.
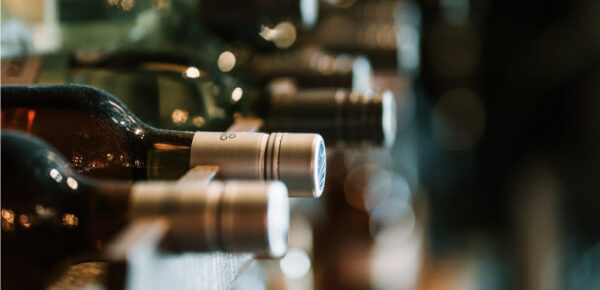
(168, 154)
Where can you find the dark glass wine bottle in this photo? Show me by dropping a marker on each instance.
(167, 92)
(51, 214)
(100, 137)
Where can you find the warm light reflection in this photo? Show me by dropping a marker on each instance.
(326, 64)
(44, 212)
(296, 263)
(70, 220)
(8, 220)
(30, 118)
(226, 61)
(198, 121)
(72, 183)
(237, 93)
(8, 215)
(283, 35)
(56, 175)
(165, 146)
(122, 4)
(77, 159)
(24, 220)
(192, 72)
(179, 116)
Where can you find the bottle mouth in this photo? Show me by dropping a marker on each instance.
(321, 167)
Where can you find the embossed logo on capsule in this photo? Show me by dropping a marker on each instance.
(226, 136)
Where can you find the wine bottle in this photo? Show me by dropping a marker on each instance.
(101, 137)
(50, 213)
(169, 93)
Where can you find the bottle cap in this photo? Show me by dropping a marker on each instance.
(298, 160)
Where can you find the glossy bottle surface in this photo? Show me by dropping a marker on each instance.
(49, 212)
(97, 134)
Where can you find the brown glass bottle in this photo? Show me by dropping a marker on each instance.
(100, 137)
(51, 215)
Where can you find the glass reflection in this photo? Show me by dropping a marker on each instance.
(179, 116)
(44, 212)
(237, 93)
(72, 183)
(70, 220)
(122, 4)
(226, 61)
(24, 220)
(198, 121)
(8, 220)
(56, 175)
(283, 35)
(192, 72)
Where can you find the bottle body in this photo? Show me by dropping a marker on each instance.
(52, 215)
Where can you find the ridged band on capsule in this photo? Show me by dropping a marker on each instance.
(272, 151)
(278, 156)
